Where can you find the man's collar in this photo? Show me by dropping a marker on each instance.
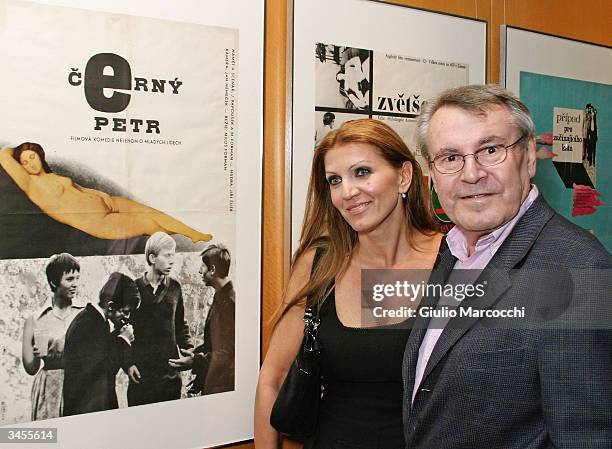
(457, 242)
(228, 286)
(163, 280)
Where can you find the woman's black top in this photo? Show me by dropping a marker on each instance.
(361, 368)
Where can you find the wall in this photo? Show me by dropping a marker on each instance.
(587, 21)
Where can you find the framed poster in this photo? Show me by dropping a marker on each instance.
(122, 135)
(355, 59)
(567, 85)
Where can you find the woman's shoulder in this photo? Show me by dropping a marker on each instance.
(302, 265)
(42, 311)
(304, 259)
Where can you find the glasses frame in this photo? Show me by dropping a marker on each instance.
(505, 148)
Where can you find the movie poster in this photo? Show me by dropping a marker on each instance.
(574, 134)
(353, 83)
(115, 128)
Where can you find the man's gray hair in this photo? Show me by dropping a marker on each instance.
(477, 99)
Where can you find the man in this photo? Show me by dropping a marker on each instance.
(589, 134)
(160, 331)
(93, 353)
(541, 381)
(214, 359)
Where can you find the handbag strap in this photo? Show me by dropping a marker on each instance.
(310, 312)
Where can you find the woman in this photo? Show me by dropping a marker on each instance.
(89, 210)
(43, 337)
(367, 208)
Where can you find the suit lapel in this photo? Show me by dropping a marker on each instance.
(496, 275)
(497, 282)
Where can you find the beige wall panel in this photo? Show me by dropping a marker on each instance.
(587, 21)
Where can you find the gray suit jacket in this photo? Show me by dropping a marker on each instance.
(541, 382)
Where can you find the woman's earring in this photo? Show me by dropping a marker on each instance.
(404, 195)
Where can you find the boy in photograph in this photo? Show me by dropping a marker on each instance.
(160, 331)
(93, 352)
(213, 362)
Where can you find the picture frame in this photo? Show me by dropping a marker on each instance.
(527, 50)
(368, 30)
(191, 422)
(567, 85)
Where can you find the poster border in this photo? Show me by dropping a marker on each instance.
(248, 17)
(531, 57)
(525, 50)
(293, 79)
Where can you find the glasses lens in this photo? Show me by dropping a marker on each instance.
(491, 155)
(449, 164)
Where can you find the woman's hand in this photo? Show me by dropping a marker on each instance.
(105, 197)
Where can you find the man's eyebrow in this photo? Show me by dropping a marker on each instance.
(486, 140)
(447, 150)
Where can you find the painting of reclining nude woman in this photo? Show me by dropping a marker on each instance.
(75, 209)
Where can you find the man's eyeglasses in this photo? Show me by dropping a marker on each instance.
(487, 157)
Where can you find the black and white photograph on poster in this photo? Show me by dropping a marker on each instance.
(342, 77)
(326, 120)
(118, 207)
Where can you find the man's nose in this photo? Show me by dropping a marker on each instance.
(472, 171)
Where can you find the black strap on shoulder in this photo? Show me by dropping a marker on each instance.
(316, 259)
(314, 310)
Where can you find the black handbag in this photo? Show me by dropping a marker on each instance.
(295, 411)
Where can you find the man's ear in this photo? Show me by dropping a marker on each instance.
(212, 270)
(151, 258)
(531, 157)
